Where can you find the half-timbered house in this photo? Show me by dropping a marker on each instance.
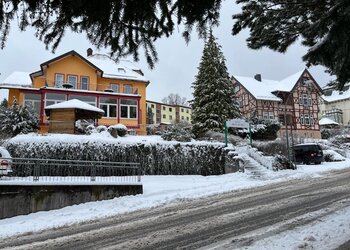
(293, 101)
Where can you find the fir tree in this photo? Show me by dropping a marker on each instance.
(321, 25)
(214, 97)
(18, 119)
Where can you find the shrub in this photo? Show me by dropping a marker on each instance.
(178, 132)
(325, 133)
(261, 129)
(18, 119)
(122, 130)
(281, 162)
(90, 129)
(101, 128)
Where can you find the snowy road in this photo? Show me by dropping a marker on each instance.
(236, 219)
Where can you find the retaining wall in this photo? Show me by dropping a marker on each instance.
(24, 199)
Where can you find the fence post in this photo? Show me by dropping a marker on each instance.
(138, 173)
(36, 171)
(93, 172)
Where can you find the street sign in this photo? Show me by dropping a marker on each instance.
(237, 123)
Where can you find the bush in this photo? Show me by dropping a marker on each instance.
(90, 129)
(18, 119)
(122, 130)
(281, 162)
(178, 132)
(101, 128)
(325, 133)
(155, 158)
(261, 129)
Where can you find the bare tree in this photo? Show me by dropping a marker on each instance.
(175, 99)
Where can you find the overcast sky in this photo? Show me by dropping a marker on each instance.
(178, 62)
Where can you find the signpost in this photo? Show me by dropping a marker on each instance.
(237, 123)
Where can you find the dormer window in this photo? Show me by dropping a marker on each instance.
(121, 70)
(59, 80)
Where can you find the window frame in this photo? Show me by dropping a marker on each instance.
(74, 86)
(109, 105)
(129, 108)
(87, 83)
(57, 83)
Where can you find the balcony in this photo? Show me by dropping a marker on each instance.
(129, 90)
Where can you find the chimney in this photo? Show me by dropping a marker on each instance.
(258, 77)
(89, 52)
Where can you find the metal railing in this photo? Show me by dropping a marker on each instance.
(72, 171)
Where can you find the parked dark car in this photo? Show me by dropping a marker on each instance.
(308, 153)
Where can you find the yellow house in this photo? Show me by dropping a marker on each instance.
(118, 89)
(162, 113)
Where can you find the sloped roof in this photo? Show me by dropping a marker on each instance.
(337, 95)
(327, 121)
(260, 90)
(123, 70)
(74, 104)
(264, 90)
(104, 64)
(18, 78)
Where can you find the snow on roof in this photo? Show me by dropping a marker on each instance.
(327, 121)
(337, 95)
(18, 78)
(74, 104)
(263, 90)
(260, 90)
(123, 70)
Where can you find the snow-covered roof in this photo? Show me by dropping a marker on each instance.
(327, 121)
(18, 78)
(122, 70)
(262, 90)
(74, 104)
(337, 95)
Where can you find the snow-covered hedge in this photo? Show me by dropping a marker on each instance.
(156, 158)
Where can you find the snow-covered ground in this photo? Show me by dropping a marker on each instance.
(163, 190)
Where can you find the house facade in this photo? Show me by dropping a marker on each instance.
(336, 105)
(293, 101)
(118, 89)
(162, 113)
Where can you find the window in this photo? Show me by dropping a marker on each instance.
(182, 118)
(128, 108)
(115, 87)
(164, 108)
(59, 80)
(187, 111)
(268, 115)
(152, 106)
(187, 118)
(306, 119)
(127, 89)
(170, 109)
(305, 100)
(236, 88)
(72, 80)
(109, 106)
(182, 110)
(54, 98)
(84, 81)
(170, 117)
(33, 101)
(84, 98)
(164, 116)
(158, 111)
